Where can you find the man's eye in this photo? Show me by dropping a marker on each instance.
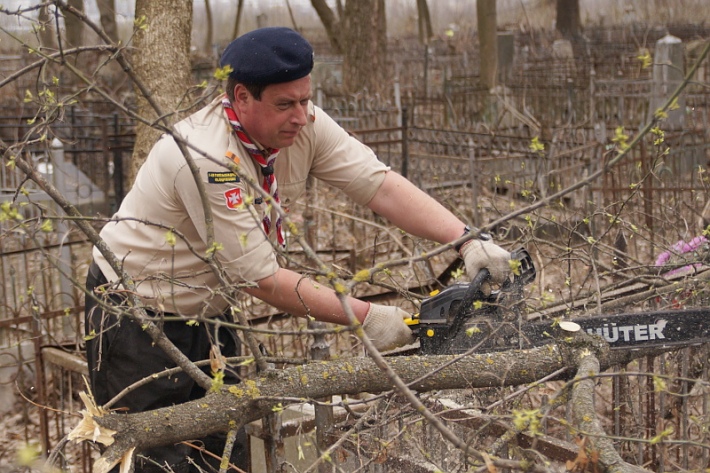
(304, 102)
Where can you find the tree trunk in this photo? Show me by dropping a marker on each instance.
(74, 27)
(107, 12)
(162, 63)
(568, 22)
(425, 28)
(364, 60)
(209, 32)
(330, 23)
(487, 26)
(46, 29)
(291, 16)
(237, 19)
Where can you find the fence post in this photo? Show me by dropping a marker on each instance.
(323, 413)
(119, 192)
(320, 350)
(64, 261)
(473, 166)
(405, 143)
(426, 71)
(398, 102)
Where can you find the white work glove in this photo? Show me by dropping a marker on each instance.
(479, 254)
(385, 326)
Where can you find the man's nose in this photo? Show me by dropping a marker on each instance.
(301, 115)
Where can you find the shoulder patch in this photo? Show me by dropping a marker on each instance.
(233, 198)
(222, 177)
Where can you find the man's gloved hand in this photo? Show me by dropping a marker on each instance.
(479, 254)
(385, 326)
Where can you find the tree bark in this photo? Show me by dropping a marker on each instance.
(330, 23)
(46, 29)
(107, 12)
(424, 21)
(568, 20)
(209, 29)
(487, 39)
(585, 419)
(237, 19)
(74, 27)
(294, 25)
(162, 62)
(365, 56)
(254, 399)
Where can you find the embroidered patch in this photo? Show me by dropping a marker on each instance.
(221, 177)
(232, 156)
(233, 198)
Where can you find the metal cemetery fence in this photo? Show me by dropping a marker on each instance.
(432, 134)
(41, 312)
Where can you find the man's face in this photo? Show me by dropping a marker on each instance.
(276, 119)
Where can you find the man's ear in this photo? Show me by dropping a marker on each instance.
(241, 95)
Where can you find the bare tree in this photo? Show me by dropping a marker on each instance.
(424, 21)
(359, 32)
(209, 29)
(487, 39)
(237, 18)
(294, 25)
(73, 25)
(332, 24)
(107, 12)
(158, 65)
(568, 19)
(365, 55)
(162, 63)
(47, 22)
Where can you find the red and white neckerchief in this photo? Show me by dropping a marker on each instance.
(267, 167)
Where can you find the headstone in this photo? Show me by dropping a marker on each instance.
(506, 56)
(563, 66)
(668, 72)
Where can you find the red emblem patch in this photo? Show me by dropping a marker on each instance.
(233, 197)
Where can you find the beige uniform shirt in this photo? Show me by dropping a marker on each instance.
(165, 196)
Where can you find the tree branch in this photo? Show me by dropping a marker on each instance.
(252, 399)
(585, 418)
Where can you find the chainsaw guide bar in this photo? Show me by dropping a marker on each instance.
(462, 318)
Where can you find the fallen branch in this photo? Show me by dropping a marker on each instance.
(254, 398)
(585, 419)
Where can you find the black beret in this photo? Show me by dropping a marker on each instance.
(268, 56)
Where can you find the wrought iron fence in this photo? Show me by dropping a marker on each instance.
(437, 141)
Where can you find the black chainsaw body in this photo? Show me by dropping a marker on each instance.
(463, 315)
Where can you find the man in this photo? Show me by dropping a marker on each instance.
(264, 130)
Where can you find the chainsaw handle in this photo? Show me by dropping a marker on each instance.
(473, 292)
(526, 274)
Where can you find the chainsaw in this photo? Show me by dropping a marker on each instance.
(467, 318)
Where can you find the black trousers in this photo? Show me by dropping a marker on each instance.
(119, 353)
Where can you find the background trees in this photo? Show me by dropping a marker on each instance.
(524, 188)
